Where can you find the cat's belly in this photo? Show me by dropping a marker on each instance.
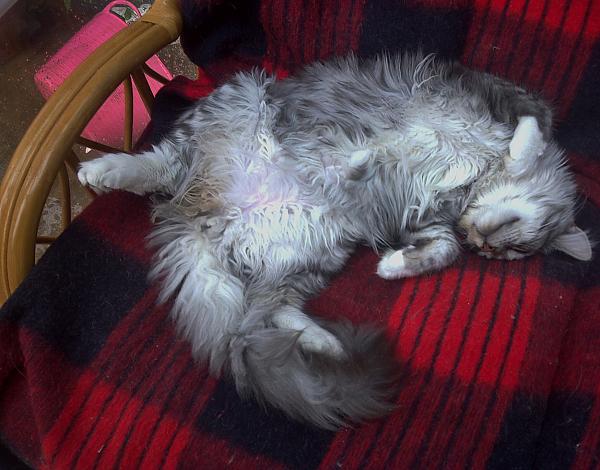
(278, 239)
(270, 221)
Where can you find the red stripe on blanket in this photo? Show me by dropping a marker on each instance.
(342, 34)
(399, 312)
(526, 310)
(499, 400)
(476, 30)
(541, 44)
(582, 346)
(337, 448)
(416, 317)
(138, 411)
(460, 318)
(372, 303)
(434, 331)
(268, 12)
(475, 342)
(372, 445)
(310, 30)
(355, 24)
(410, 333)
(548, 45)
(327, 15)
(583, 369)
(502, 332)
(481, 431)
(548, 328)
(293, 34)
(581, 30)
(169, 439)
(98, 447)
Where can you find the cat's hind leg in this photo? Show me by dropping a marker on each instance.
(430, 249)
(526, 146)
(156, 170)
(524, 111)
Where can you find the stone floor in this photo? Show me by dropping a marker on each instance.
(30, 33)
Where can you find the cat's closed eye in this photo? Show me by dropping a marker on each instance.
(489, 229)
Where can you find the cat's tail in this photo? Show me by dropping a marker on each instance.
(269, 364)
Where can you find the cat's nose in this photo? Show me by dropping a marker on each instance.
(486, 248)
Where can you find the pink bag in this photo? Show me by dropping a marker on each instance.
(107, 124)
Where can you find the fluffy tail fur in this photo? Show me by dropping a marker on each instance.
(270, 365)
(233, 329)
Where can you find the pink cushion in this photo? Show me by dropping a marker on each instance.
(107, 125)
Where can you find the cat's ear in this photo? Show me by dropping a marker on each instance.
(574, 243)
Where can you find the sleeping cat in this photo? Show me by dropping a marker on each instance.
(265, 187)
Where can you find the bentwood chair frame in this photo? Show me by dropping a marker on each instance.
(46, 151)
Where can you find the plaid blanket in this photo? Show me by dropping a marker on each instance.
(501, 359)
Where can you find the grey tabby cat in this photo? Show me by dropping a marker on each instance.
(269, 185)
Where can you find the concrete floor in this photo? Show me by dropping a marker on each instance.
(30, 33)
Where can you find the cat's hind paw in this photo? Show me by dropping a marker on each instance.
(318, 340)
(526, 145)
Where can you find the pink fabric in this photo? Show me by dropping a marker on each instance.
(107, 125)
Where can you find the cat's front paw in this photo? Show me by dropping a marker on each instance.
(394, 265)
(119, 171)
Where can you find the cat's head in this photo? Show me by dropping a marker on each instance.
(516, 216)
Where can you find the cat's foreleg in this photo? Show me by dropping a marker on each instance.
(156, 170)
(430, 249)
(311, 336)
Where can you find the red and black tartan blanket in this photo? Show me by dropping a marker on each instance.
(501, 359)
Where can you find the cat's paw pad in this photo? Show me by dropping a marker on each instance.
(318, 340)
(526, 145)
(111, 172)
(394, 265)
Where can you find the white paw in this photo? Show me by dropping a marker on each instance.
(110, 172)
(393, 266)
(318, 340)
(526, 145)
